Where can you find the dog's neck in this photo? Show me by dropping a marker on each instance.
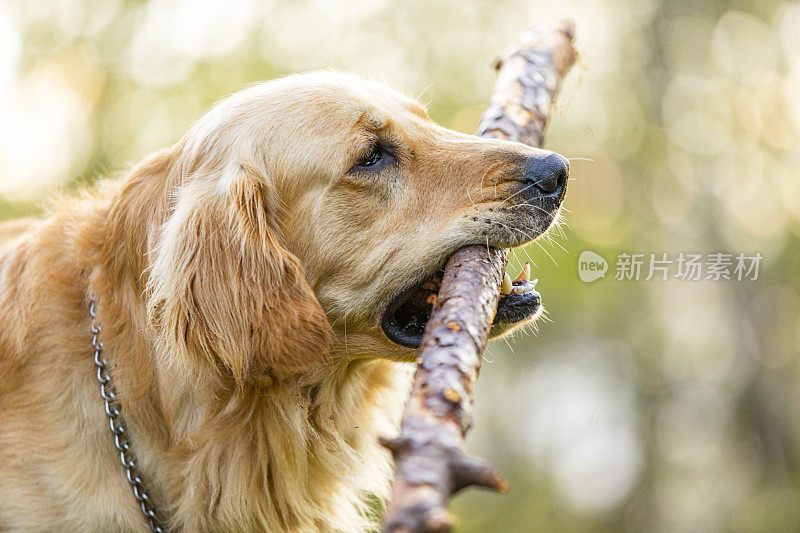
(294, 452)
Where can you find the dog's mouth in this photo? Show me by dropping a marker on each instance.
(405, 317)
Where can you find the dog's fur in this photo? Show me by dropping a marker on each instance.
(240, 278)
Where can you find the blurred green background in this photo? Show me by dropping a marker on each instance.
(639, 405)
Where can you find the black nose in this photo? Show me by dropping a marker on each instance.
(547, 173)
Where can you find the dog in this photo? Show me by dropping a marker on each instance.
(256, 290)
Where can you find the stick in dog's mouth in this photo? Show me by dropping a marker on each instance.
(405, 317)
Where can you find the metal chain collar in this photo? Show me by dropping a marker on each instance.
(113, 409)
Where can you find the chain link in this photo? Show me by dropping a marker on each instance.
(121, 442)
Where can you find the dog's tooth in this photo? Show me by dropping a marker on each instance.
(525, 273)
(525, 288)
(506, 287)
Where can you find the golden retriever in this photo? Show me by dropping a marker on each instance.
(258, 289)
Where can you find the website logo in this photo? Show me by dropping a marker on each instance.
(591, 266)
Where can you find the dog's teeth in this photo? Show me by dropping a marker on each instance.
(525, 288)
(506, 287)
(525, 273)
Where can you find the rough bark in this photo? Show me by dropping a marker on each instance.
(430, 462)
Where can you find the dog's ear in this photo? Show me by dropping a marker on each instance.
(223, 288)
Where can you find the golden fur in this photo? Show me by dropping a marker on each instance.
(240, 277)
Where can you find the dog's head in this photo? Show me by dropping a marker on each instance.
(313, 211)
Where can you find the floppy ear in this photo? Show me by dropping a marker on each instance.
(224, 289)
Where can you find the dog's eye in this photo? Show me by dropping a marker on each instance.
(372, 159)
(381, 156)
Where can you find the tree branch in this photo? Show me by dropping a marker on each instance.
(430, 462)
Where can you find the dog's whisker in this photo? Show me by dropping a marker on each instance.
(535, 183)
(423, 91)
(546, 252)
(530, 258)
(516, 257)
(511, 233)
(527, 235)
(508, 343)
(531, 205)
(487, 350)
(516, 193)
(552, 240)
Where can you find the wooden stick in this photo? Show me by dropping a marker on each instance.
(430, 462)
